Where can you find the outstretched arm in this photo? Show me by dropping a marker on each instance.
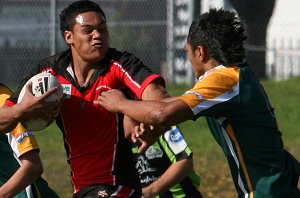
(148, 112)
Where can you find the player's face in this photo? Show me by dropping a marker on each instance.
(195, 59)
(89, 38)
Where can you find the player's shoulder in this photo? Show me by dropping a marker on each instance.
(220, 75)
(58, 61)
(224, 71)
(123, 58)
(4, 89)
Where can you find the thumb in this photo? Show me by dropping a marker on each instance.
(143, 147)
(29, 88)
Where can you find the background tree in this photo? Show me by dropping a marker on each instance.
(256, 14)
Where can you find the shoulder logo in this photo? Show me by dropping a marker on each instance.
(175, 136)
(21, 136)
(175, 140)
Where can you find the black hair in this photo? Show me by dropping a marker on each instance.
(68, 14)
(221, 33)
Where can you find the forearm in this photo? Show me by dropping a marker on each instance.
(10, 116)
(29, 171)
(148, 112)
(173, 175)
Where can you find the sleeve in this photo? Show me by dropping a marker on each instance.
(20, 139)
(134, 74)
(174, 145)
(219, 86)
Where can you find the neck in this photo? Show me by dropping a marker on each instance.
(83, 72)
(211, 64)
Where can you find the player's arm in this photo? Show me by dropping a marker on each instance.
(154, 91)
(149, 112)
(173, 175)
(28, 172)
(30, 107)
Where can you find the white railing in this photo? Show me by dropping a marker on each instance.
(283, 62)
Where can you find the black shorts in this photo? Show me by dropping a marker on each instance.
(99, 191)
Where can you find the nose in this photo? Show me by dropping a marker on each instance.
(96, 33)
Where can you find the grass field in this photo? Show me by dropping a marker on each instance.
(210, 163)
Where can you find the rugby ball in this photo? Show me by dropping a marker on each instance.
(41, 83)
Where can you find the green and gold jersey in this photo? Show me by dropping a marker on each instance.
(243, 123)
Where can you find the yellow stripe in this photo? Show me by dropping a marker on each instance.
(232, 136)
(37, 191)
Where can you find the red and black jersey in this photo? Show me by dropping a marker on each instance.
(96, 148)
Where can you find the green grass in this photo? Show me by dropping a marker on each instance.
(209, 160)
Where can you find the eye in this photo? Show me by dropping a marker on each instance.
(87, 29)
(102, 29)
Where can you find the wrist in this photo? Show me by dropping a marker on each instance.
(18, 112)
(152, 189)
(121, 107)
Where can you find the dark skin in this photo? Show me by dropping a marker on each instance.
(160, 112)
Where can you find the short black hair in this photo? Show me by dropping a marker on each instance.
(221, 33)
(68, 14)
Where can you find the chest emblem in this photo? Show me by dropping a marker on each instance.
(67, 90)
(153, 152)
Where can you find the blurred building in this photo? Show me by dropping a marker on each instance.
(283, 40)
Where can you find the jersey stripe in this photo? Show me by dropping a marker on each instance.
(238, 157)
(127, 74)
(228, 95)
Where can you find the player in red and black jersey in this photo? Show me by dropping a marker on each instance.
(99, 155)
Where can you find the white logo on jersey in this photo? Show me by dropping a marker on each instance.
(175, 140)
(20, 137)
(67, 90)
(153, 152)
(142, 165)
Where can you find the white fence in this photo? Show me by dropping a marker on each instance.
(283, 59)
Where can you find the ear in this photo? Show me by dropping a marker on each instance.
(200, 52)
(68, 37)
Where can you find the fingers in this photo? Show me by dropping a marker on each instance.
(48, 93)
(144, 146)
(138, 137)
(29, 88)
